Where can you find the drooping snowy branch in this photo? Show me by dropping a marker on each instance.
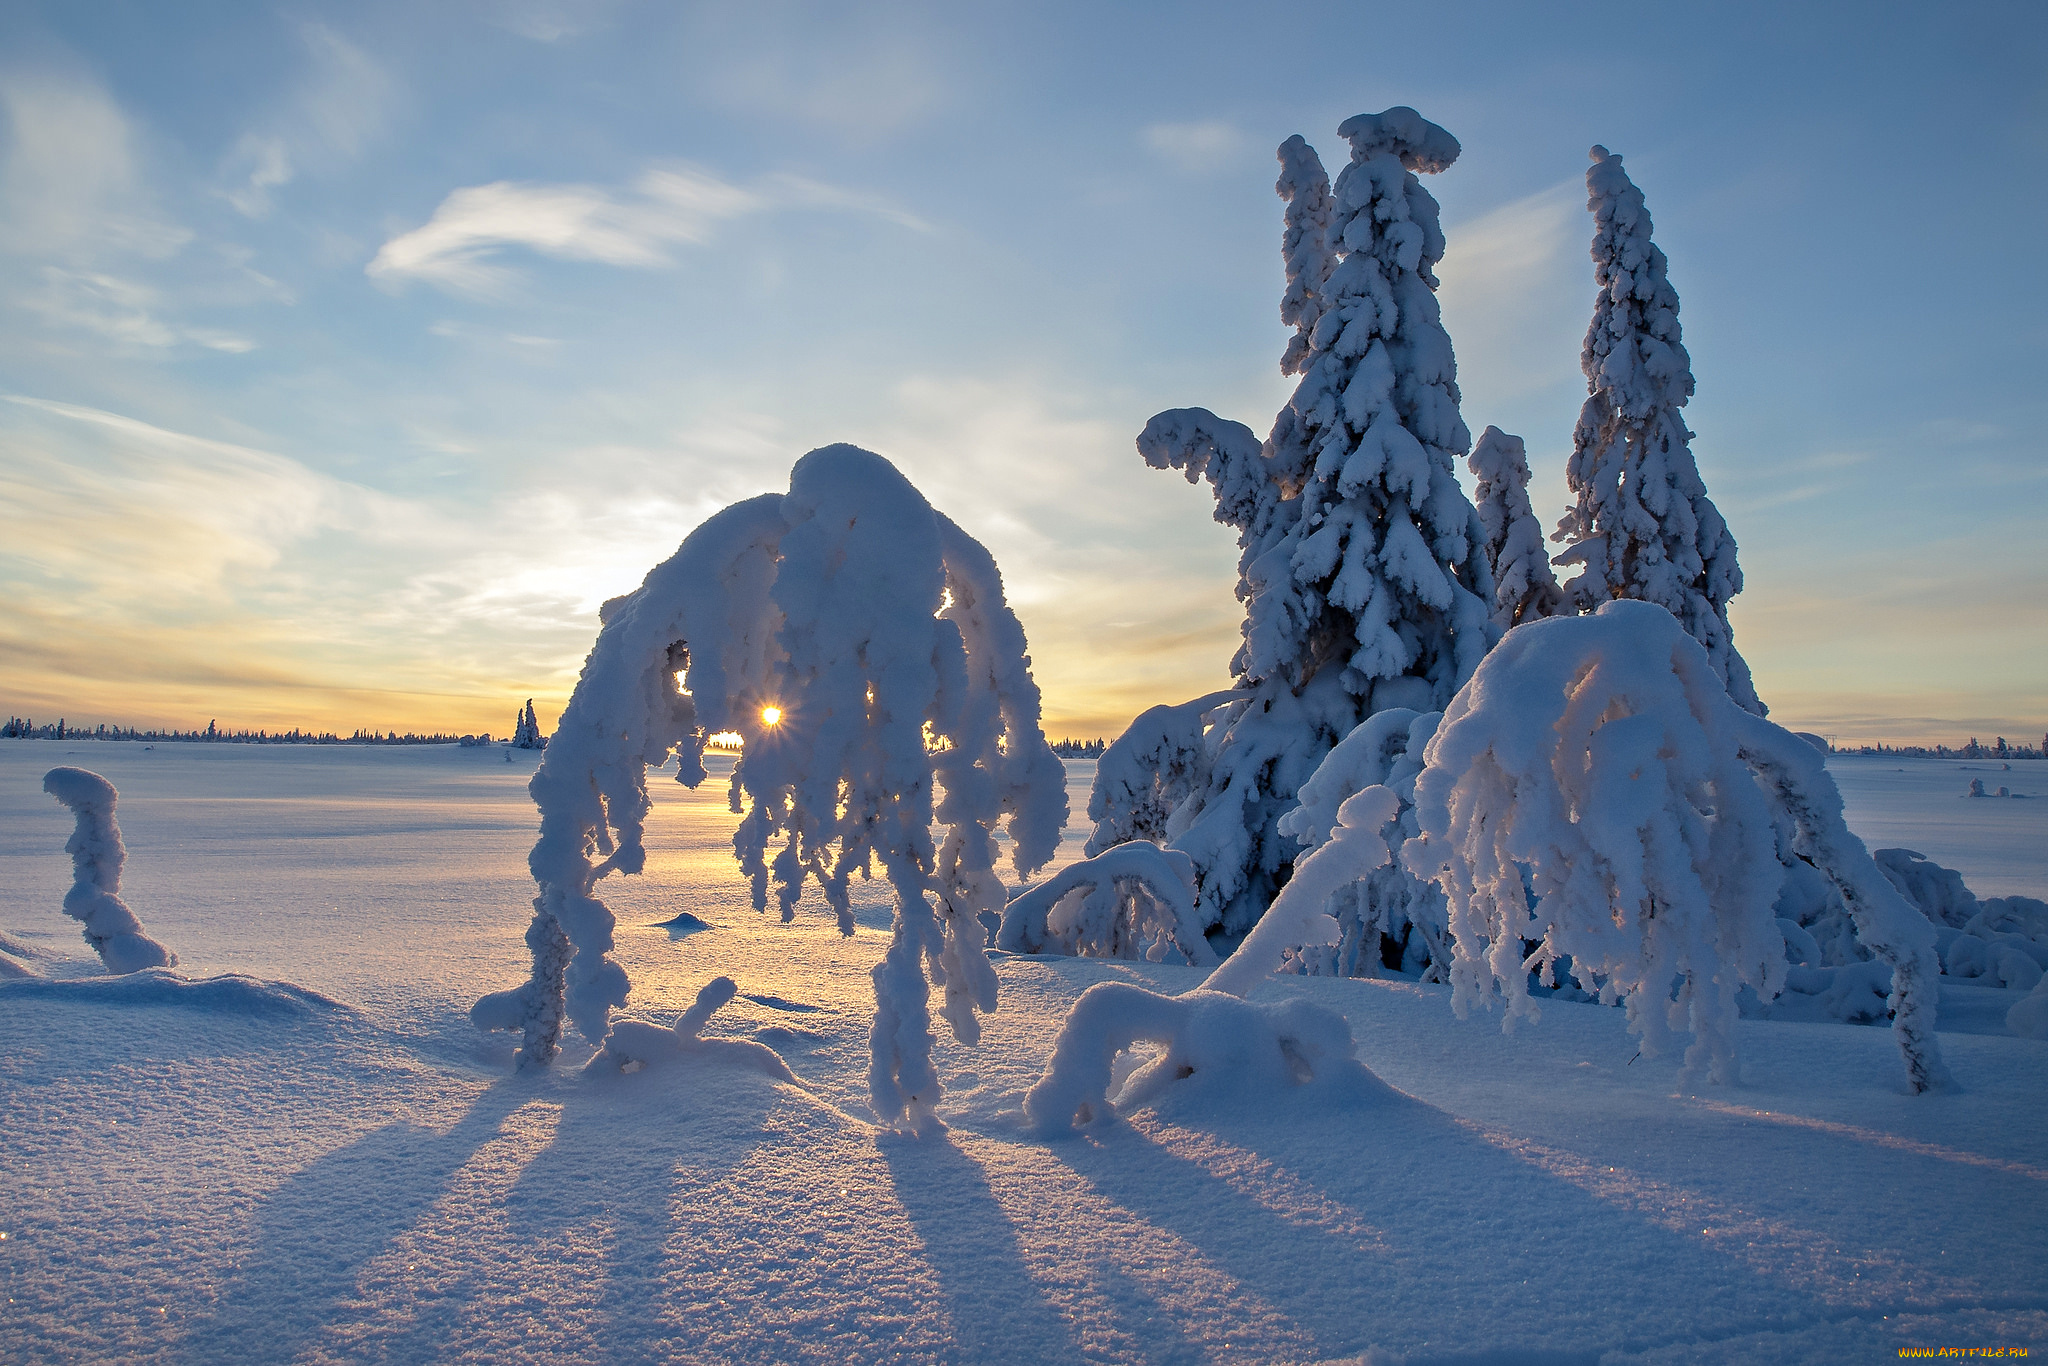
(860, 644)
(1129, 901)
(97, 856)
(1599, 762)
(1642, 525)
(1524, 588)
(1361, 562)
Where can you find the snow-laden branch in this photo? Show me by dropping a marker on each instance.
(1153, 768)
(97, 856)
(1129, 901)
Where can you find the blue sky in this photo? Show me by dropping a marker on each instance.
(351, 355)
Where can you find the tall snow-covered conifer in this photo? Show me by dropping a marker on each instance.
(1642, 525)
(1362, 570)
(1524, 588)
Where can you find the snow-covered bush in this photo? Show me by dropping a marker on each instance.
(1938, 892)
(635, 1044)
(1155, 766)
(1599, 762)
(1212, 1036)
(1129, 901)
(1390, 915)
(859, 643)
(97, 856)
(1524, 588)
(1642, 525)
(1361, 562)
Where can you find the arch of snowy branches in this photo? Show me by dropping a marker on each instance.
(875, 634)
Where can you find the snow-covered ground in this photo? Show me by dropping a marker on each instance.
(320, 1160)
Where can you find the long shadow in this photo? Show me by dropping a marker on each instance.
(1354, 1240)
(997, 1311)
(322, 1226)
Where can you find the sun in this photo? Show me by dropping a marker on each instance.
(770, 715)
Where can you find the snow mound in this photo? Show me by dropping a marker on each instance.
(1214, 1049)
(635, 1045)
(2029, 1016)
(230, 994)
(681, 924)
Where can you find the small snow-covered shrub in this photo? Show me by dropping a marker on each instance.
(1152, 769)
(97, 857)
(1600, 762)
(1938, 892)
(1212, 1032)
(1129, 901)
(635, 1044)
(859, 643)
(1390, 915)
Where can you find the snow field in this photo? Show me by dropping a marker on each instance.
(235, 1173)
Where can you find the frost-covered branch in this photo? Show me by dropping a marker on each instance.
(1642, 525)
(1304, 246)
(97, 856)
(1129, 901)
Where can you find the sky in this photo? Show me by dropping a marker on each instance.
(352, 355)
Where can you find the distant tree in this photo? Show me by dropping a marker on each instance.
(526, 729)
(1524, 588)
(1642, 525)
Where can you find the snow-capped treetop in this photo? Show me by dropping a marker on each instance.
(1421, 145)
(1524, 588)
(1643, 526)
(1304, 245)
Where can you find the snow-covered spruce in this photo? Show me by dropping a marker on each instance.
(1361, 563)
(1599, 762)
(859, 643)
(1524, 588)
(97, 856)
(1129, 901)
(526, 729)
(1642, 525)
(1147, 776)
(1389, 917)
(1212, 1037)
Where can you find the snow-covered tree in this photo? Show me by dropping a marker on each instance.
(1361, 563)
(1598, 763)
(1129, 901)
(1158, 763)
(97, 857)
(526, 729)
(1524, 588)
(1641, 525)
(859, 643)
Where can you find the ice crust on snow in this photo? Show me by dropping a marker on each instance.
(1641, 525)
(1361, 562)
(1598, 765)
(860, 644)
(97, 856)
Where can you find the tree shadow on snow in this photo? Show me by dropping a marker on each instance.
(316, 1231)
(997, 1312)
(1392, 1224)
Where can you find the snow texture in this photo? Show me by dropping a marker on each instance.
(1133, 900)
(1361, 561)
(1389, 916)
(1598, 763)
(97, 855)
(1524, 588)
(1642, 525)
(860, 644)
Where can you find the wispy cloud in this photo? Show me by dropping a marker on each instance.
(669, 206)
(1201, 146)
(69, 185)
(1517, 290)
(122, 311)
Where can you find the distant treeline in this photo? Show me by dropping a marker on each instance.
(22, 728)
(1997, 749)
(1078, 749)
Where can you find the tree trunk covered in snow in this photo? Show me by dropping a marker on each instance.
(1642, 525)
(1361, 562)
